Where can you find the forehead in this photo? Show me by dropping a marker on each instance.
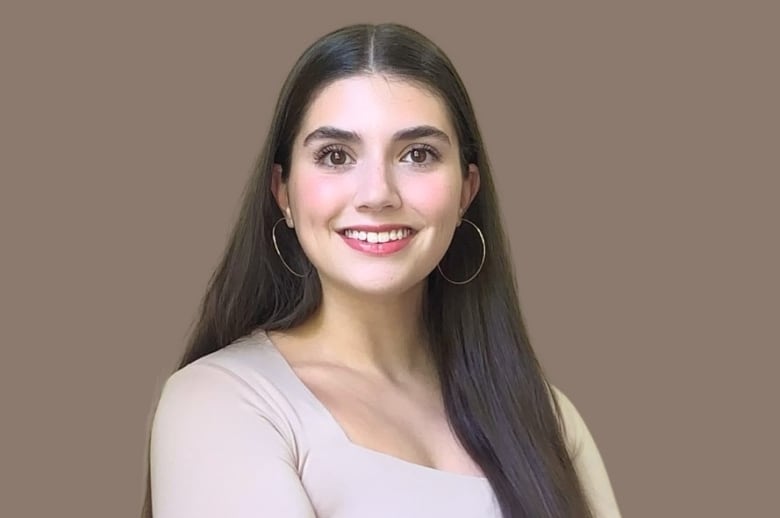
(376, 105)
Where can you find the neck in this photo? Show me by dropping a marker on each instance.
(381, 335)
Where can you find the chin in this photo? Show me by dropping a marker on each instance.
(378, 285)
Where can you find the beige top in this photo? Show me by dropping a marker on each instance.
(237, 434)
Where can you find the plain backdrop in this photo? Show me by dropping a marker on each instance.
(635, 147)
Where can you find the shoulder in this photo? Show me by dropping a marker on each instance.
(227, 384)
(586, 458)
(572, 421)
(221, 439)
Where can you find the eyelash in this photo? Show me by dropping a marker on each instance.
(332, 148)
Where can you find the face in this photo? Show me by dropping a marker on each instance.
(376, 187)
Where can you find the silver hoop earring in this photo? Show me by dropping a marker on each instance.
(276, 246)
(481, 263)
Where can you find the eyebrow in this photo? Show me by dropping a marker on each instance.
(413, 133)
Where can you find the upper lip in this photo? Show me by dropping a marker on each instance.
(375, 228)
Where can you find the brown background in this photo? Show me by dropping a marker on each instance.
(636, 152)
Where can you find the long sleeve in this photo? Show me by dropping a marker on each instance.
(218, 449)
(588, 461)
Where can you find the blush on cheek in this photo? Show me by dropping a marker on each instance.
(317, 198)
(433, 199)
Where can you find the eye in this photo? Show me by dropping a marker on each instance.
(418, 155)
(332, 156)
(338, 157)
(421, 153)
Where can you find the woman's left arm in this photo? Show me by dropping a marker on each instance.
(587, 460)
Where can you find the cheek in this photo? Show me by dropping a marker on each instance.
(435, 197)
(314, 196)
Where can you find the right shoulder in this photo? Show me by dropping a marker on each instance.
(221, 439)
(232, 383)
(207, 391)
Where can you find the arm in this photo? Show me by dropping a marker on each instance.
(587, 460)
(217, 451)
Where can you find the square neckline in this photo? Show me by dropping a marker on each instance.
(262, 336)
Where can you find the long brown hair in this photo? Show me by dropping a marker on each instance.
(495, 392)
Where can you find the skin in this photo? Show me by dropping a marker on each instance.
(367, 333)
(371, 305)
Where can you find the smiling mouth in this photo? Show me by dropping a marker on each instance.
(384, 236)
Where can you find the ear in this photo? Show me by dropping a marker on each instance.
(279, 190)
(470, 188)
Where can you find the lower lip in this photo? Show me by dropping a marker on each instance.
(388, 248)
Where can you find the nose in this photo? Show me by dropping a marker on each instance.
(377, 188)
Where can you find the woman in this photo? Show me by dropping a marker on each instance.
(360, 350)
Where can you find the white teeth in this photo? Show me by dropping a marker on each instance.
(378, 237)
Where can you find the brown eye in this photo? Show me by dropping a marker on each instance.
(337, 157)
(334, 157)
(419, 155)
(422, 156)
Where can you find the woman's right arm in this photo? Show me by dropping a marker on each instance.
(217, 450)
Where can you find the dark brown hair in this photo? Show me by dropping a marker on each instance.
(495, 392)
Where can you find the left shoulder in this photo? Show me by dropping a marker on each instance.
(586, 458)
(574, 426)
